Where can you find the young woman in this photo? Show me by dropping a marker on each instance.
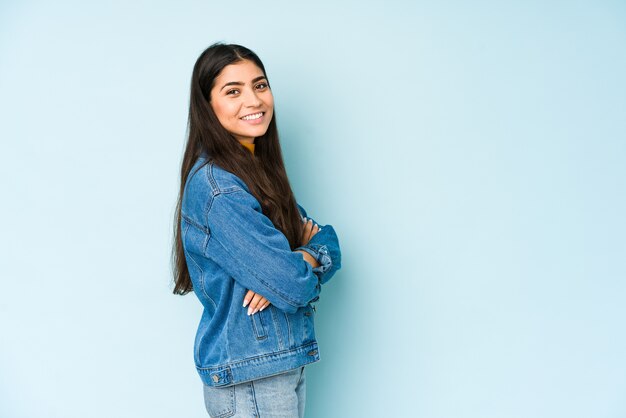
(244, 246)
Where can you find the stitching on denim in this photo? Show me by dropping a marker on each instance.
(253, 398)
(210, 178)
(215, 187)
(202, 281)
(234, 392)
(260, 334)
(204, 165)
(289, 335)
(185, 229)
(197, 169)
(277, 328)
(215, 191)
(248, 359)
(196, 224)
(301, 375)
(197, 352)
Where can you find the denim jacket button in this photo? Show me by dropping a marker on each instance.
(216, 378)
(312, 352)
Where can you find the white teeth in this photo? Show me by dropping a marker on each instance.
(250, 117)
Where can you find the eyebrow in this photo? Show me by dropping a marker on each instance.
(241, 83)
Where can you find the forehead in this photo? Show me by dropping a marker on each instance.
(244, 71)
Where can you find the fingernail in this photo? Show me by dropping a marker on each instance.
(249, 311)
(245, 303)
(255, 311)
(262, 308)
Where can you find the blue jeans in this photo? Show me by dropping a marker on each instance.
(279, 396)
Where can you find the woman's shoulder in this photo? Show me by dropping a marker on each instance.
(207, 182)
(207, 174)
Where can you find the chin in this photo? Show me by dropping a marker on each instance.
(254, 134)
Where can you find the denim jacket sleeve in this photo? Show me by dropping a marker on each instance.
(245, 243)
(324, 247)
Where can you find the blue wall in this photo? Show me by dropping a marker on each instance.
(472, 159)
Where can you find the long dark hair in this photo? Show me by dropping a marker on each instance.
(263, 172)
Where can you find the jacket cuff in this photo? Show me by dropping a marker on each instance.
(320, 253)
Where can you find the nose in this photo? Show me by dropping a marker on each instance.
(252, 99)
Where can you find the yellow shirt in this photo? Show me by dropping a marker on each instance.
(249, 146)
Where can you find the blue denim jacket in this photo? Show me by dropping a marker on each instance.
(230, 247)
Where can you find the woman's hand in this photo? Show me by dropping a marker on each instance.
(256, 301)
(308, 230)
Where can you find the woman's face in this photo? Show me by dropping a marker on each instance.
(242, 100)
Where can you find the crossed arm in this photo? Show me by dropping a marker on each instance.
(254, 301)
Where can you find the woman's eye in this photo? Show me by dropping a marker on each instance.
(261, 86)
(232, 91)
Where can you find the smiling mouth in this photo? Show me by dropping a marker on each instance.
(253, 116)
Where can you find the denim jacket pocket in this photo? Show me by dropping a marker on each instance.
(259, 325)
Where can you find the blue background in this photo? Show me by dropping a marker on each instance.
(471, 157)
